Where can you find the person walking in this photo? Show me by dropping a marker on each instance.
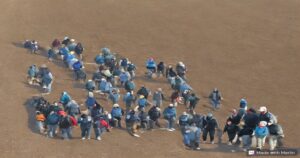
(215, 98)
(261, 133)
(85, 122)
(210, 126)
(154, 115)
(170, 115)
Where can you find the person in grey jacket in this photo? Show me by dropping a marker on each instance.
(158, 97)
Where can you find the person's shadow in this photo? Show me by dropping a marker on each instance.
(31, 113)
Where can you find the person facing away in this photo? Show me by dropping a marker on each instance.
(193, 100)
(154, 115)
(158, 97)
(52, 123)
(191, 137)
(116, 114)
(65, 126)
(170, 115)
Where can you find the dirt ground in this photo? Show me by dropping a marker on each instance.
(246, 48)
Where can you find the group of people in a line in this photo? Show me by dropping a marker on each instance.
(140, 112)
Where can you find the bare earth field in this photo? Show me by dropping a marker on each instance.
(246, 48)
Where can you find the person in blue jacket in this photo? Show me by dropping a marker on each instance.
(191, 137)
(32, 74)
(261, 133)
(151, 65)
(90, 101)
(129, 100)
(90, 85)
(85, 122)
(65, 98)
(116, 114)
(170, 115)
(142, 102)
(114, 96)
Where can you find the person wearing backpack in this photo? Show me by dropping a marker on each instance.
(90, 85)
(79, 71)
(90, 101)
(143, 91)
(85, 122)
(79, 50)
(276, 134)
(210, 125)
(65, 126)
(52, 123)
(65, 98)
(124, 77)
(158, 97)
(184, 121)
(73, 108)
(124, 63)
(116, 114)
(193, 101)
(114, 96)
(261, 133)
(232, 130)
(129, 100)
(154, 115)
(129, 85)
(131, 69)
(267, 116)
(215, 98)
(170, 115)
(142, 102)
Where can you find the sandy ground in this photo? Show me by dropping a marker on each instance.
(246, 48)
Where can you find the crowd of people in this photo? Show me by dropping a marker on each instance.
(139, 107)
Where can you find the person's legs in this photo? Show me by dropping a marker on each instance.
(204, 136)
(69, 132)
(119, 122)
(259, 142)
(83, 132)
(212, 135)
(64, 133)
(88, 132)
(272, 142)
(157, 123)
(151, 124)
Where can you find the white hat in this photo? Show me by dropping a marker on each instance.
(157, 108)
(66, 37)
(262, 109)
(263, 123)
(171, 105)
(116, 105)
(72, 40)
(91, 94)
(184, 113)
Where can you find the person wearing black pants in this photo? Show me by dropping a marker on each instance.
(231, 130)
(210, 126)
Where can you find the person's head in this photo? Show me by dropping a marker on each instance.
(262, 124)
(170, 66)
(66, 38)
(115, 105)
(251, 110)
(83, 115)
(193, 94)
(263, 109)
(209, 115)
(72, 40)
(234, 112)
(142, 96)
(159, 89)
(171, 105)
(184, 113)
(38, 112)
(215, 89)
(229, 122)
(91, 94)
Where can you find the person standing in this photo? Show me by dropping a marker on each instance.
(65, 126)
(116, 114)
(154, 115)
(52, 123)
(215, 98)
(210, 125)
(261, 133)
(170, 115)
(232, 130)
(158, 97)
(85, 122)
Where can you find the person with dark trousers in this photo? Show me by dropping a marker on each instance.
(210, 126)
(154, 115)
(232, 130)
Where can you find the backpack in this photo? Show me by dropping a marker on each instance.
(275, 129)
(47, 79)
(183, 120)
(65, 122)
(77, 65)
(124, 62)
(53, 119)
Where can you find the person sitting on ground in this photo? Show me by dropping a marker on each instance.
(116, 114)
(170, 115)
(97, 76)
(215, 98)
(210, 125)
(85, 122)
(232, 130)
(158, 97)
(154, 115)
